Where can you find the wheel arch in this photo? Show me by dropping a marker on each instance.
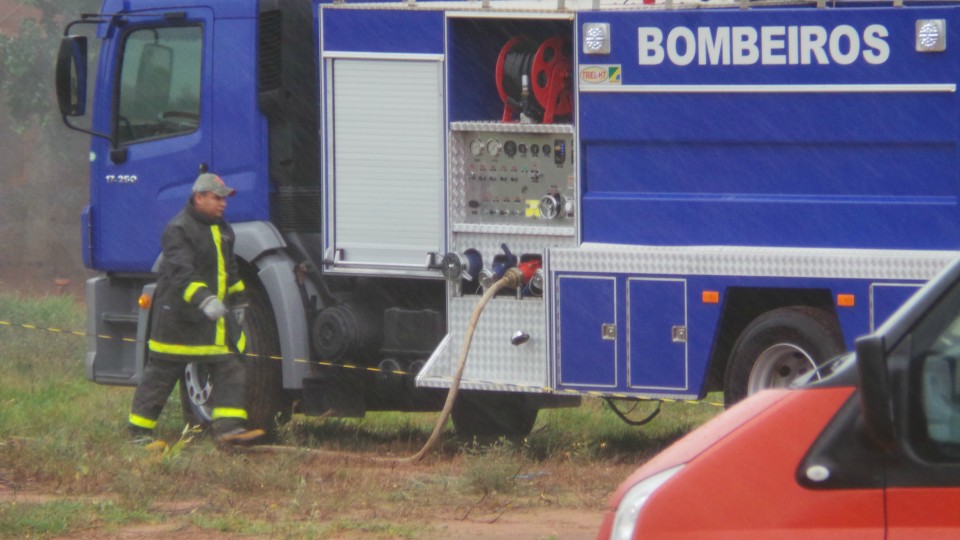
(262, 255)
(744, 304)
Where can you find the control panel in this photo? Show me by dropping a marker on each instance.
(516, 178)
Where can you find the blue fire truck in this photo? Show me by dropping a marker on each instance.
(700, 195)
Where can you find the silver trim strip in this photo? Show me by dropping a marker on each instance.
(767, 88)
(872, 264)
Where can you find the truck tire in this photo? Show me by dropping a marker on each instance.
(267, 404)
(778, 347)
(485, 417)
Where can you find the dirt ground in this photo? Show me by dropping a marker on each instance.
(559, 524)
(565, 509)
(503, 524)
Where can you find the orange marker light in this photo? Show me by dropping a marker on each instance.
(846, 300)
(711, 297)
(145, 301)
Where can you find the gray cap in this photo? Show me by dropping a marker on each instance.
(212, 183)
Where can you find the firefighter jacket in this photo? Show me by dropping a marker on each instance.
(197, 262)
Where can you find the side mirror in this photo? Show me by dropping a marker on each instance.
(875, 389)
(71, 76)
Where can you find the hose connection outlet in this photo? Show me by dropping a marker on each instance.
(498, 269)
(465, 266)
(528, 269)
(537, 283)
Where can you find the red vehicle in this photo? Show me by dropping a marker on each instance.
(872, 451)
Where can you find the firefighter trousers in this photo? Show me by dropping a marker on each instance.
(226, 378)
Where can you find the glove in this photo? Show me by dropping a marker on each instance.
(213, 308)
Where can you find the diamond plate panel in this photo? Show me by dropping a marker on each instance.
(512, 229)
(493, 363)
(500, 127)
(751, 261)
(456, 176)
(490, 245)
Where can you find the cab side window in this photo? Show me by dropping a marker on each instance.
(159, 92)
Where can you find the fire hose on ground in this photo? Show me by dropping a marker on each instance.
(512, 278)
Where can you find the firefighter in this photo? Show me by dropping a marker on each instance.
(191, 323)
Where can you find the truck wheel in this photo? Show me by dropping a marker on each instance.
(194, 393)
(487, 416)
(266, 401)
(778, 347)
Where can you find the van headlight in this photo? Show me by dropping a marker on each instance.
(625, 520)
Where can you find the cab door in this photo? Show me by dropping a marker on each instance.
(153, 99)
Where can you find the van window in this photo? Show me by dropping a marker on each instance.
(936, 379)
(159, 92)
(941, 399)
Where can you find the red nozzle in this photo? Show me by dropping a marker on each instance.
(528, 268)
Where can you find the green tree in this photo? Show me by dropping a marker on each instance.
(43, 182)
(27, 59)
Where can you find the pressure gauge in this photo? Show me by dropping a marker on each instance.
(476, 147)
(550, 206)
(493, 147)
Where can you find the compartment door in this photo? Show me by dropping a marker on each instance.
(657, 338)
(386, 176)
(587, 332)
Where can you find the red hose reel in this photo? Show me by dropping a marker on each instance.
(535, 79)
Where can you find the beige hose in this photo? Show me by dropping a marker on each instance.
(512, 278)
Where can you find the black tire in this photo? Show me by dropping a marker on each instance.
(485, 417)
(267, 403)
(778, 347)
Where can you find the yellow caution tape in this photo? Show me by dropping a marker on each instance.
(544, 389)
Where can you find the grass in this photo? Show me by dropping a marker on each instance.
(66, 468)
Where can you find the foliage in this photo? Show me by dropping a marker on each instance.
(58, 517)
(27, 59)
(171, 454)
(44, 163)
(492, 469)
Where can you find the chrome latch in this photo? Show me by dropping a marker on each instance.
(608, 332)
(679, 334)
